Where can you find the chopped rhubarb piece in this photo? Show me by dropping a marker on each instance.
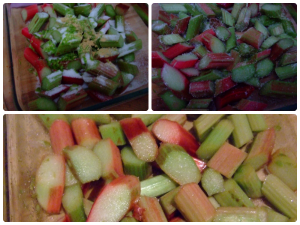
(61, 136)
(225, 5)
(98, 96)
(31, 57)
(199, 38)
(215, 61)
(261, 55)
(175, 80)
(223, 85)
(247, 105)
(237, 59)
(141, 140)
(120, 194)
(201, 89)
(235, 94)
(74, 97)
(281, 47)
(171, 132)
(29, 12)
(48, 8)
(85, 132)
(36, 44)
(206, 9)
(190, 72)
(184, 61)
(158, 59)
(55, 92)
(181, 25)
(72, 77)
(42, 68)
(26, 33)
(121, 9)
(167, 18)
(177, 49)
(107, 54)
(105, 27)
(212, 43)
(253, 37)
(276, 88)
(49, 183)
(160, 27)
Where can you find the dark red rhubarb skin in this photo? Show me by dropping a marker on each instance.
(225, 5)
(166, 17)
(122, 8)
(72, 80)
(36, 44)
(133, 127)
(235, 94)
(247, 105)
(224, 85)
(157, 60)
(98, 96)
(181, 25)
(107, 59)
(199, 38)
(56, 94)
(183, 64)
(201, 89)
(31, 11)
(207, 10)
(177, 49)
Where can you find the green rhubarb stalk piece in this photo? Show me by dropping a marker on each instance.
(269, 42)
(37, 22)
(97, 11)
(248, 180)
(276, 29)
(127, 78)
(215, 139)
(104, 85)
(231, 42)
(110, 11)
(214, 202)
(161, 28)
(173, 103)
(243, 73)
(242, 132)
(70, 179)
(97, 118)
(178, 164)
(63, 9)
(289, 57)
(276, 88)
(271, 10)
(120, 24)
(280, 196)
(128, 68)
(264, 68)
(72, 202)
(48, 119)
(289, 28)
(69, 42)
(167, 202)
(114, 132)
(173, 8)
(111, 41)
(236, 10)
(240, 214)
(171, 39)
(157, 186)
(227, 18)
(208, 75)
(212, 182)
(42, 104)
(131, 47)
(199, 103)
(243, 20)
(287, 71)
(129, 58)
(246, 50)
(84, 9)
(222, 33)
(191, 9)
(130, 36)
(257, 122)
(194, 27)
(214, 7)
(261, 28)
(134, 166)
(200, 51)
(52, 80)
(284, 168)
(273, 216)
(233, 196)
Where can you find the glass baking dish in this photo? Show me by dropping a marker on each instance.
(25, 82)
(27, 142)
(274, 104)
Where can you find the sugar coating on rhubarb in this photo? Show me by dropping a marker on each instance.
(71, 73)
(145, 147)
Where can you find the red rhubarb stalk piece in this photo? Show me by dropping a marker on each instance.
(280, 47)
(72, 98)
(166, 17)
(223, 85)
(184, 61)
(172, 132)
(201, 89)
(98, 96)
(158, 59)
(225, 5)
(36, 44)
(235, 94)
(181, 25)
(247, 105)
(261, 55)
(253, 37)
(207, 10)
(72, 77)
(31, 56)
(121, 9)
(177, 49)
(61, 136)
(190, 72)
(29, 12)
(215, 61)
(212, 43)
(122, 191)
(48, 8)
(175, 81)
(199, 38)
(215, 23)
(26, 33)
(141, 140)
(55, 92)
(237, 59)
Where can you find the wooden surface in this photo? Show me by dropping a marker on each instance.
(28, 142)
(26, 82)
(273, 103)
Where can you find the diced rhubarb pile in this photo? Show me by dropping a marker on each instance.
(240, 56)
(154, 168)
(72, 45)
